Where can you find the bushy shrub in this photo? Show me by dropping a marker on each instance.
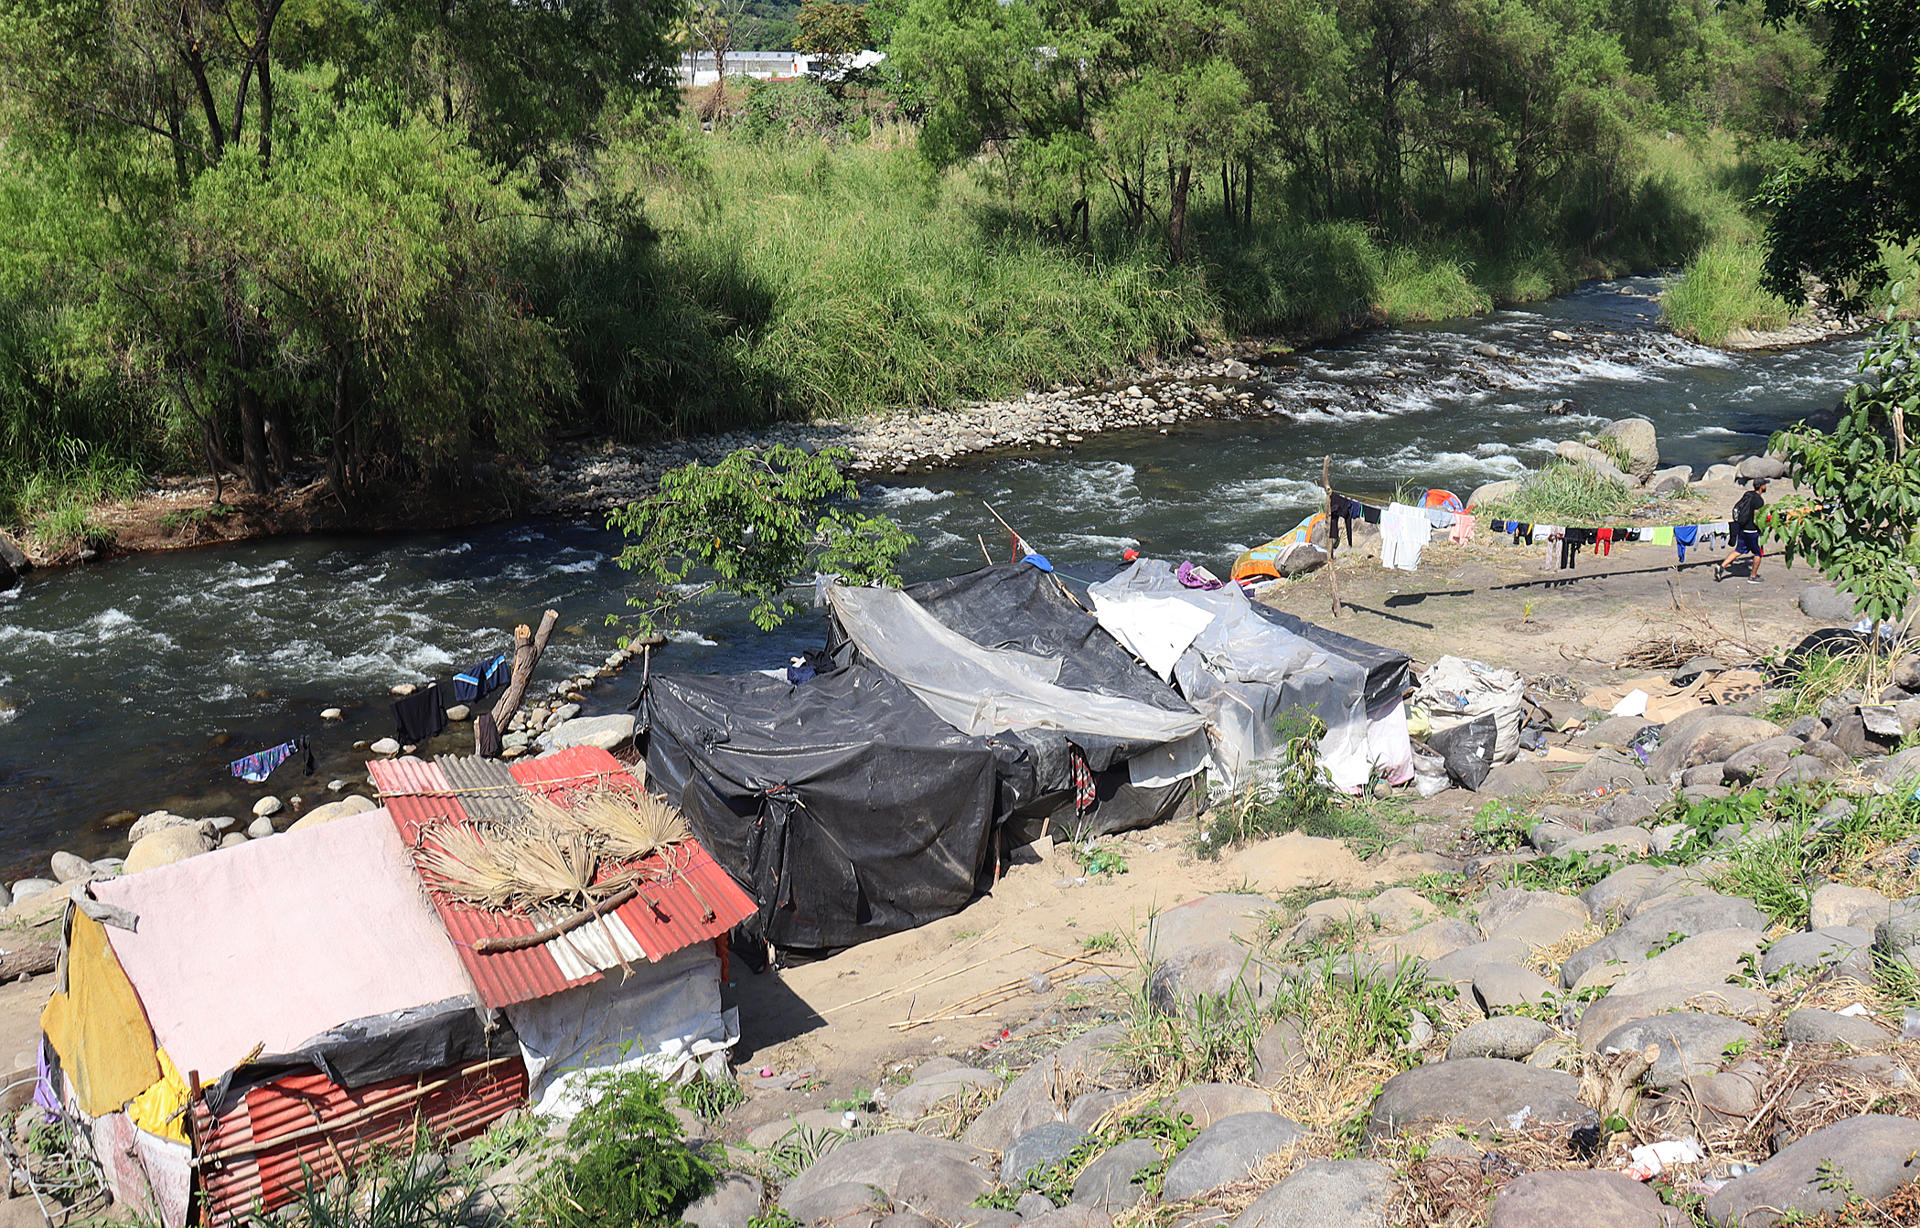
(632, 1167)
(784, 110)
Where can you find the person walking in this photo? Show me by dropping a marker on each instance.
(1746, 533)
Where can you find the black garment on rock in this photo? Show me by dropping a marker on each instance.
(419, 716)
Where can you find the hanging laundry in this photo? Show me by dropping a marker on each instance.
(1572, 541)
(486, 737)
(1404, 532)
(1683, 536)
(1603, 540)
(1084, 793)
(260, 765)
(1370, 513)
(1659, 535)
(480, 678)
(1346, 510)
(1462, 529)
(1522, 532)
(419, 716)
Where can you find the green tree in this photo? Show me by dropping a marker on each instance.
(752, 526)
(832, 32)
(1858, 185)
(1860, 521)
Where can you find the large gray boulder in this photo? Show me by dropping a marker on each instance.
(1326, 1194)
(1476, 1091)
(606, 732)
(1824, 603)
(1602, 1018)
(1492, 492)
(1048, 1143)
(1594, 459)
(930, 1174)
(1226, 1152)
(1842, 947)
(1575, 1199)
(1222, 917)
(734, 1200)
(331, 811)
(1755, 467)
(1667, 481)
(1689, 1043)
(938, 1087)
(1863, 1157)
(1705, 735)
(166, 846)
(1637, 438)
(1112, 1182)
(1510, 1037)
(1810, 1026)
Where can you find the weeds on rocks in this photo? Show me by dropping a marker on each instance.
(395, 1190)
(710, 1098)
(1563, 492)
(631, 1167)
(1821, 675)
(1169, 1132)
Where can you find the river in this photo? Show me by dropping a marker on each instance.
(128, 686)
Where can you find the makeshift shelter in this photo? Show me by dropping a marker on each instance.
(1005, 651)
(243, 1022)
(638, 985)
(847, 807)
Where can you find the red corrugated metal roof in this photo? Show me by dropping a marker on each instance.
(697, 901)
(304, 1127)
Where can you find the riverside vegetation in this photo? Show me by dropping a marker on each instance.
(366, 247)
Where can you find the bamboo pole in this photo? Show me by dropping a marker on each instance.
(1333, 531)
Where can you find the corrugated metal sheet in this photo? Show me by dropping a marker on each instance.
(696, 901)
(486, 789)
(304, 1127)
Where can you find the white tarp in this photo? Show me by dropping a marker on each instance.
(664, 1017)
(982, 691)
(1243, 672)
(1155, 629)
(1457, 689)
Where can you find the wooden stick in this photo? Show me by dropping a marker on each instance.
(520, 942)
(1333, 531)
(527, 647)
(915, 986)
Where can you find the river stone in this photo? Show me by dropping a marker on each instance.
(1220, 917)
(931, 1089)
(1476, 1091)
(268, 805)
(332, 714)
(1216, 970)
(1047, 1143)
(1712, 958)
(1755, 467)
(1611, 770)
(260, 829)
(152, 822)
(1510, 1037)
(1028, 1100)
(1326, 1194)
(1809, 1026)
(1692, 1043)
(1574, 1199)
(930, 1173)
(1594, 459)
(1111, 1182)
(232, 840)
(68, 868)
(1861, 1157)
(1208, 1103)
(605, 732)
(1896, 768)
(1842, 947)
(734, 1200)
(1705, 735)
(385, 746)
(1430, 941)
(1073, 1215)
(164, 847)
(1498, 988)
(1826, 604)
(1606, 1016)
(1279, 1052)
(1504, 905)
(1636, 436)
(1666, 481)
(459, 712)
(331, 811)
(1089, 1109)
(6, 897)
(1838, 904)
(1689, 915)
(1226, 1152)
(1766, 755)
(1601, 847)
(1492, 492)
(1620, 890)
(27, 888)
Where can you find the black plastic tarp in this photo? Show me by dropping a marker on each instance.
(842, 804)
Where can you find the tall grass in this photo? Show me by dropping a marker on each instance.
(1562, 492)
(1720, 292)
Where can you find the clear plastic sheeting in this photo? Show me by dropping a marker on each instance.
(982, 691)
(1243, 671)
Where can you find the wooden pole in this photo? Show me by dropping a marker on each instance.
(1333, 531)
(527, 647)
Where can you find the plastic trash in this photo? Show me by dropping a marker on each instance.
(1656, 1158)
(1633, 703)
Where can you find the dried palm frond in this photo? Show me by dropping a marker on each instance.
(553, 867)
(630, 825)
(474, 871)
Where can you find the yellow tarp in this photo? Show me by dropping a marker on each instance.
(97, 1025)
(159, 1109)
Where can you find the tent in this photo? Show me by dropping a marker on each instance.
(1006, 650)
(843, 803)
(245, 1020)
